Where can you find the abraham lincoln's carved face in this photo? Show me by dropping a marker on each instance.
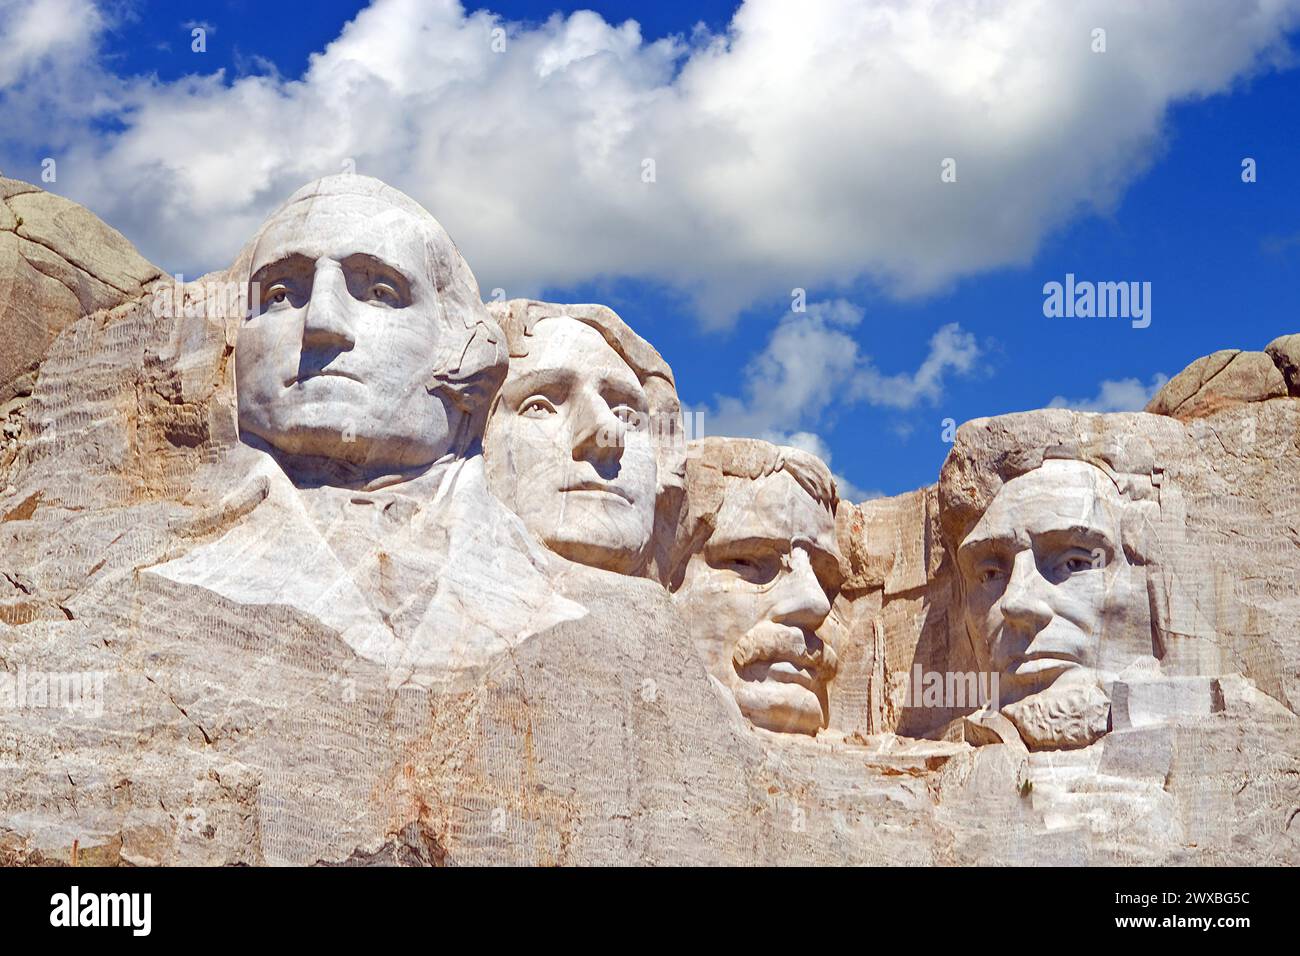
(1047, 581)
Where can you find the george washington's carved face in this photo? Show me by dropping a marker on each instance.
(1049, 590)
(756, 595)
(338, 354)
(570, 449)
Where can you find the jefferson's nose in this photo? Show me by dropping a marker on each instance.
(800, 599)
(1024, 602)
(598, 434)
(327, 323)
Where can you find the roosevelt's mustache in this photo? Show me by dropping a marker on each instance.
(768, 642)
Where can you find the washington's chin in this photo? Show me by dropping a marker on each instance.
(605, 515)
(299, 417)
(337, 434)
(622, 553)
(780, 707)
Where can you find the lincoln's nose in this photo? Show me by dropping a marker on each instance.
(1024, 603)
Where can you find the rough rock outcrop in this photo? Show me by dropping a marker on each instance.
(1285, 353)
(1224, 378)
(58, 262)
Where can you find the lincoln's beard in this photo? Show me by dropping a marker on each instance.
(1069, 714)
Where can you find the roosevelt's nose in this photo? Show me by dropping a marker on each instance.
(327, 323)
(1024, 603)
(799, 598)
(598, 434)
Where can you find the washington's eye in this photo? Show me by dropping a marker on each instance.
(277, 293)
(629, 416)
(385, 293)
(536, 407)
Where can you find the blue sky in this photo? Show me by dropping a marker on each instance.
(1122, 193)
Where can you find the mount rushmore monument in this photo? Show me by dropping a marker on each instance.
(323, 560)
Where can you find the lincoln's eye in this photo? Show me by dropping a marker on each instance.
(989, 573)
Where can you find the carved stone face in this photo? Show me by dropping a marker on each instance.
(569, 449)
(337, 358)
(755, 596)
(1046, 579)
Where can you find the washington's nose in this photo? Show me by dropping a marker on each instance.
(598, 433)
(800, 599)
(1024, 602)
(327, 323)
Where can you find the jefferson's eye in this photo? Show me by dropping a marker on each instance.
(536, 407)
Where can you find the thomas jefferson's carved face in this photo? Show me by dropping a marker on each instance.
(1046, 578)
(337, 357)
(569, 449)
(755, 596)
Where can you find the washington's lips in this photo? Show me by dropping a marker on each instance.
(597, 487)
(323, 373)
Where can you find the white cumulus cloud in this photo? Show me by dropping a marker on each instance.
(802, 147)
(1115, 395)
(811, 369)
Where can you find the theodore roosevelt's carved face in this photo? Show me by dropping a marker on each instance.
(337, 357)
(756, 594)
(571, 451)
(1046, 578)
